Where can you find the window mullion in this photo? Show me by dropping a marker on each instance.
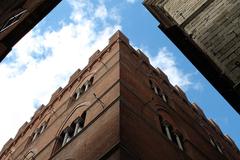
(179, 142)
(65, 140)
(168, 132)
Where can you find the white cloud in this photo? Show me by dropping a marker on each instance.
(44, 60)
(165, 60)
(101, 12)
(131, 1)
(167, 63)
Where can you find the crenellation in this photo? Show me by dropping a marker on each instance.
(22, 129)
(143, 56)
(94, 56)
(119, 105)
(163, 75)
(74, 75)
(56, 94)
(180, 91)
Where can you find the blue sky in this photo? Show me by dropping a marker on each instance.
(45, 58)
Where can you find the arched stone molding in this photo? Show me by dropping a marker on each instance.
(76, 111)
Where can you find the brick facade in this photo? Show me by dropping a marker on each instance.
(208, 33)
(119, 107)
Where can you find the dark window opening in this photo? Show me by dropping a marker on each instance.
(174, 138)
(163, 128)
(83, 116)
(158, 91)
(69, 132)
(75, 95)
(151, 84)
(82, 90)
(91, 81)
(167, 130)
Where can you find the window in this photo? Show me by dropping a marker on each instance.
(69, 132)
(215, 145)
(164, 97)
(39, 130)
(11, 21)
(219, 149)
(66, 135)
(166, 130)
(212, 142)
(178, 141)
(158, 92)
(43, 127)
(83, 89)
(90, 82)
(35, 134)
(174, 137)
(155, 88)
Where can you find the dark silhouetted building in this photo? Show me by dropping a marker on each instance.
(119, 107)
(208, 34)
(17, 17)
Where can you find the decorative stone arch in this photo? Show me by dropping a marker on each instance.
(67, 121)
(77, 111)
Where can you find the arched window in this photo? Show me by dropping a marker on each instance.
(212, 142)
(39, 131)
(83, 89)
(158, 91)
(69, 132)
(215, 145)
(171, 135)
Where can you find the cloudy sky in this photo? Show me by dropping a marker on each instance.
(45, 58)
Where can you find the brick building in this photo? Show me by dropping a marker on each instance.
(119, 107)
(208, 34)
(17, 17)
